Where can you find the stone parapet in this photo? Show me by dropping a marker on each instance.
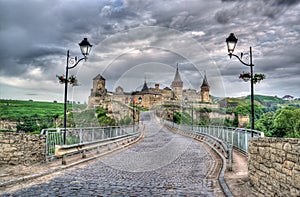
(274, 166)
(21, 148)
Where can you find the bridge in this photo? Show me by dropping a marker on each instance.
(165, 160)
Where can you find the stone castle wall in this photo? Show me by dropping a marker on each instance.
(274, 166)
(20, 148)
(8, 125)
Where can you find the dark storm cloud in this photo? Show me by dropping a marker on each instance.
(253, 9)
(286, 2)
(35, 35)
(278, 2)
(31, 31)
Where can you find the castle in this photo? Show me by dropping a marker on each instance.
(149, 97)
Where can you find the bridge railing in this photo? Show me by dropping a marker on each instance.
(55, 136)
(237, 137)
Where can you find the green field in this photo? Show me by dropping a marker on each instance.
(15, 110)
(33, 115)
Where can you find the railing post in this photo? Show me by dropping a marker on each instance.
(64, 160)
(232, 135)
(93, 134)
(223, 134)
(80, 135)
(246, 141)
(47, 146)
(227, 132)
(83, 154)
(238, 142)
(230, 159)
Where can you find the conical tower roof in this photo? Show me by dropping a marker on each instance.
(204, 87)
(98, 77)
(177, 77)
(204, 83)
(145, 88)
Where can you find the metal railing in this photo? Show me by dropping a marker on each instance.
(237, 137)
(54, 136)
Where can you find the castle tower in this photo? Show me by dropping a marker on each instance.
(99, 86)
(205, 97)
(177, 85)
(98, 92)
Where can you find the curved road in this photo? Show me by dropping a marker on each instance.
(162, 164)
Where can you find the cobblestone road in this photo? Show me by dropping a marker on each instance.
(163, 164)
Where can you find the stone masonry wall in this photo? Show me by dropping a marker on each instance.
(274, 166)
(20, 148)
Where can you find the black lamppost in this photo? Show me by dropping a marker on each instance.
(139, 112)
(231, 43)
(192, 115)
(85, 47)
(173, 99)
(192, 111)
(133, 113)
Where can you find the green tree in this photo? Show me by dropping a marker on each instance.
(266, 123)
(177, 118)
(287, 122)
(245, 109)
(126, 120)
(186, 118)
(204, 120)
(103, 119)
(27, 125)
(228, 122)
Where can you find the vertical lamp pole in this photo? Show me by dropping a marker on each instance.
(85, 47)
(133, 113)
(231, 43)
(192, 115)
(139, 112)
(173, 99)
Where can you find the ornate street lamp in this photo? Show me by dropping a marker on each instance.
(85, 48)
(231, 43)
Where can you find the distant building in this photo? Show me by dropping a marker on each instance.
(288, 98)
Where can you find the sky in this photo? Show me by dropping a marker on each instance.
(138, 40)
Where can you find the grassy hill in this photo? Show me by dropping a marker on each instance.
(267, 99)
(15, 110)
(33, 115)
(258, 99)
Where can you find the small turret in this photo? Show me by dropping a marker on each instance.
(205, 97)
(177, 85)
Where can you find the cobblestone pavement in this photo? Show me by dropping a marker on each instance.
(163, 164)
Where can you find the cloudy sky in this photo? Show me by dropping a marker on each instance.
(137, 40)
